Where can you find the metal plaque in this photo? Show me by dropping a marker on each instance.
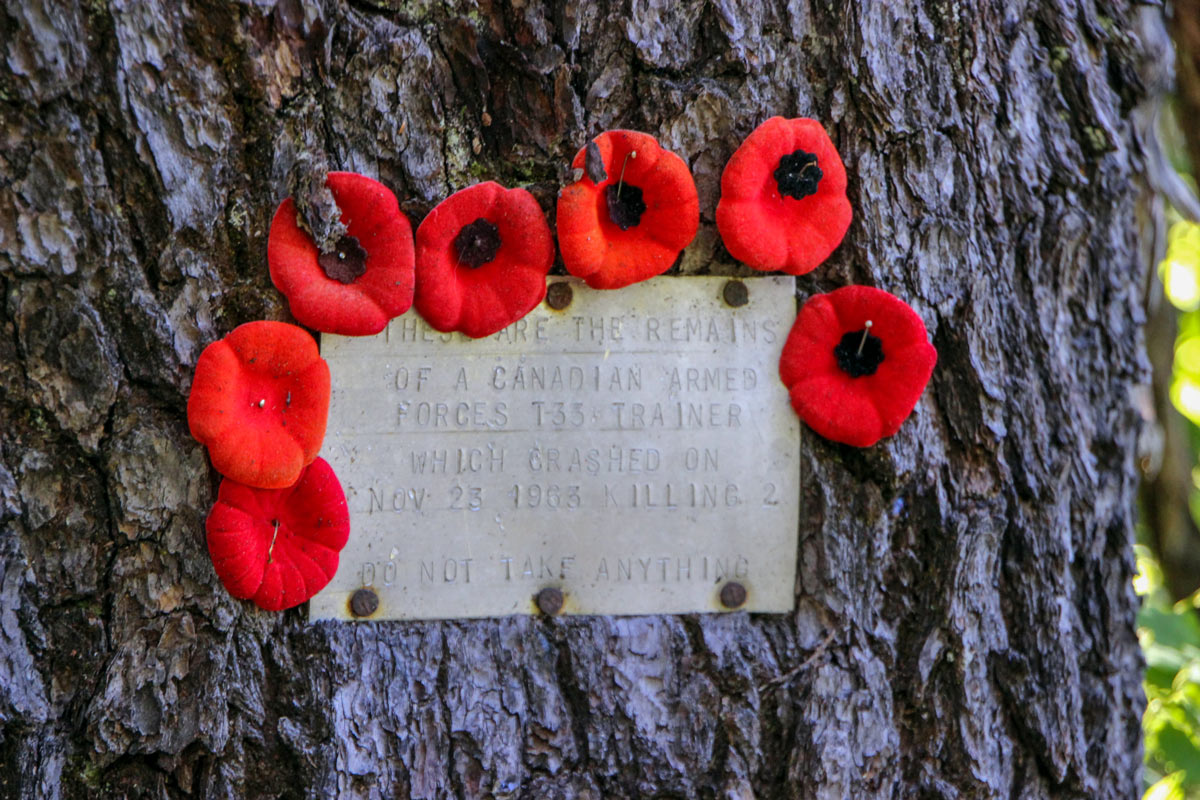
(619, 452)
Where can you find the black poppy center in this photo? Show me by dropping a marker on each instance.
(625, 205)
(798, 174)
(857, 357)
(346, 262)
(477, 243)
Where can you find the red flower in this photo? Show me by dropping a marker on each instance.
(279, 547)
(855, 363)
(630, 215)
(366, 280)
(482, 259)
(259, 402)
(783, 197)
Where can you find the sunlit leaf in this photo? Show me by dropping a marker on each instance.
(1187, 356)
(1169, 788)
(1180, 270)
(1185, 395)
(1149, 575)
(1182, 285)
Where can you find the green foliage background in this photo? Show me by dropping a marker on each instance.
(1170, 633)
(1170, 637)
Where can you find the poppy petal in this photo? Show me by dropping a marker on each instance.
(235, 555)
(259, 403)
(752, 235)
(809, 346)
(341, 310)
(362, 307)
(279, 547)
(834, 410)
(771, 229)
(505, 283)
(666, 214)
(838, 391)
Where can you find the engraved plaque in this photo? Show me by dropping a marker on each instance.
(634, 450)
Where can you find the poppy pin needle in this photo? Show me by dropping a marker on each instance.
(863, 341)
(621, 177)
(271, 549)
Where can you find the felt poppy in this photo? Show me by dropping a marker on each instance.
(783, 197)
(259, 403)
(855, 364)
(630, 214)
(366, 280)
(279, 547)
(482, 259)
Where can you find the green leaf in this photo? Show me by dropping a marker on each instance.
(1179, 751)
(1169, 628)
(1162, 665)
(1169, 788)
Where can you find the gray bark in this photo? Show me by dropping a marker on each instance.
(965, 618)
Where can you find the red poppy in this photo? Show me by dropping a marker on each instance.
(630, 215)
(855, 363)
(259, 402)
(368, 279)
(783, 197)
(279, 547)
(482, 259)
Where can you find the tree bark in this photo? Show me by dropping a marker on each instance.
(965, 616)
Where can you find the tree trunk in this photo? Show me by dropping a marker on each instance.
(965, 617)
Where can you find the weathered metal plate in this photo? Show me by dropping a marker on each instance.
(635, 450)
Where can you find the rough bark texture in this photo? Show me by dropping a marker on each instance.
(965, 618)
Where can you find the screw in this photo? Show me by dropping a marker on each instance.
(733, 594)
(558, 296)
(736, 294)
(364, 603)
(549, 601)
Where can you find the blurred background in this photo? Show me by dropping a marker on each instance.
(1168, 549)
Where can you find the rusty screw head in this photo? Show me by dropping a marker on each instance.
(364, 603)
(549, 601)
(733, 594)
(558, 295)
(736, 294)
